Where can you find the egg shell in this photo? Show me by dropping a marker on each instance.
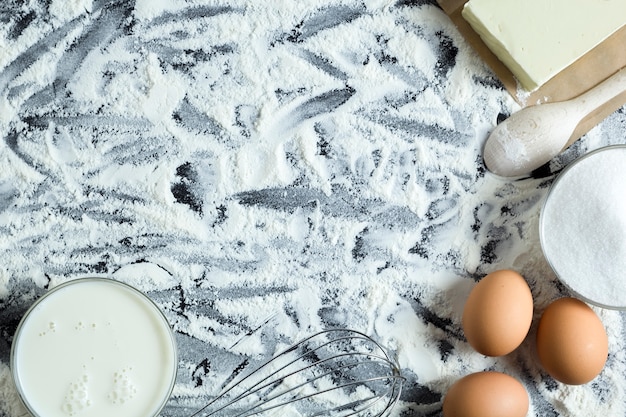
(486, 394)
(572, 343)
(498, 313)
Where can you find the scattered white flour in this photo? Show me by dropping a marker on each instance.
(329, 157)
(584, 227)
(69, 9)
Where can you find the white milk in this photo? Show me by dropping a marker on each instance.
(94, 348)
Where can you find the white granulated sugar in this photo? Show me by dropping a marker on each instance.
(584, 227)
(264, 170)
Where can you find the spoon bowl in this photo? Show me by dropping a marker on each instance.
(533, 136)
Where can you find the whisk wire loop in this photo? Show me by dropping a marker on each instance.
(303, 397)
(350, 363)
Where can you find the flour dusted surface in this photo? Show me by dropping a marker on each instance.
(263, 171)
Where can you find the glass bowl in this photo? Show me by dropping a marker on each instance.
(582, 227)
(94, 347)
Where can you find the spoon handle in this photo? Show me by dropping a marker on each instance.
(602, 93)
(596, 105)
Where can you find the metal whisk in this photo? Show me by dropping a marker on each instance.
(335, 372)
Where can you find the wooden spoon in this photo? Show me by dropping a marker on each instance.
(534, 135)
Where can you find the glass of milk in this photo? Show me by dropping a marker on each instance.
(94, 347)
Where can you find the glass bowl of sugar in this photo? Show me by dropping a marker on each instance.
(94, 347)
(583, 227)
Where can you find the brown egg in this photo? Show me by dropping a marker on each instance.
(572, 343)
(498, 313)
(486, 394)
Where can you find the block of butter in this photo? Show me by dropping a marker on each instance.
(536, 39)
